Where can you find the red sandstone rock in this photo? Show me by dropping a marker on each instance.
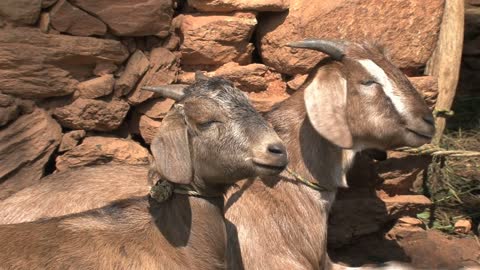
(297, 81)
(249, 78)
(71, 139)
(20, 11)
(67, 18)
(155, 108)
(48, 3)
(400, 172)
(463, 226)
(44, 22)
(217, 39)
(25, 147)
(103, 68)
(37, 65)
(428, 87)
(235, 5)
(409, 30)
(95, 88)
(8, 109)
(403, 205)
(131, 17)
(163, 70)
(102, 150)
(91, 114)
(148, 128)
(137, 65)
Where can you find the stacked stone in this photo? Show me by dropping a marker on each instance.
(71, 73)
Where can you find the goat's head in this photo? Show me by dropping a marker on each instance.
(358, 99)
(213, 134)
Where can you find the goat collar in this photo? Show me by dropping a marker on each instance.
(163, 190)
(309, 184)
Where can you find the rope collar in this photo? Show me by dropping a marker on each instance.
(163, 190)
(311, 185)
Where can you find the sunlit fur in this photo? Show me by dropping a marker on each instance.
(184, 232)
(279, 223)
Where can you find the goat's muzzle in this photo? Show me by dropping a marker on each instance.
(270, 158)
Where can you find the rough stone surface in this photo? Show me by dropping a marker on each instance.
(71, 139)
(25, 147)
(24, 12)
(217, 39)
(235, 5)
(148, 128)
(400, 172)
(164, 66)
(155, 108)
(354, 217)
(406, 205)
(11, 108)
(131, 17)
(44, 22)
(37, 65)
(409, 30)
(95, 88)
(103, 68)
(428, 87)
(263, 104)
(101, 150)
(91, 114)
(137, 65)
(249, 78)
(420, 249)
(67, 18)
(358, 211)
(463, 226)
(48, 3)
(8, 109)
(297, 81)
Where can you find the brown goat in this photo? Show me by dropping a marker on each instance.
(354, 100)
(212, 138)
(70, 191)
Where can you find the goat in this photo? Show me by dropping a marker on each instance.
(210, 139)
(353, 100)
(69, 192)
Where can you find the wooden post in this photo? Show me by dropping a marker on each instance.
(445, 61)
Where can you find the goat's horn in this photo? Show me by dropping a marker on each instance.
(173, 91)
(335, 49)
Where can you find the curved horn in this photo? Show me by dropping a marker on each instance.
(335, 49)
(173, 91)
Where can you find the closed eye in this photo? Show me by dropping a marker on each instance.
(369, 82)
(207, 124)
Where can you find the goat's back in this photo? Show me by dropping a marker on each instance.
(74, 191)
(137, 233)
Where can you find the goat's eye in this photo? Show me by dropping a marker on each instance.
(369, 82)
(207, 124)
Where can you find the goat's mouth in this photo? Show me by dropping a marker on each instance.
(421, 134)
(269, 167)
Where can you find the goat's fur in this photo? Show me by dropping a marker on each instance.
(214, 130)
(279, 223)
(74, 191)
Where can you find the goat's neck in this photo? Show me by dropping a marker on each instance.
(311, 155)
(194, 224)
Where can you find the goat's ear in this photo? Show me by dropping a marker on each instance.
(325, 101)
(170, 149)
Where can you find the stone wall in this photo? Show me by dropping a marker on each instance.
(71, 73)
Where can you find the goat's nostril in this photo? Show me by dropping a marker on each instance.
(276, 148)
(429, 119)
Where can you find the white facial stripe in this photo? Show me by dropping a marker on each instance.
(379, 74)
